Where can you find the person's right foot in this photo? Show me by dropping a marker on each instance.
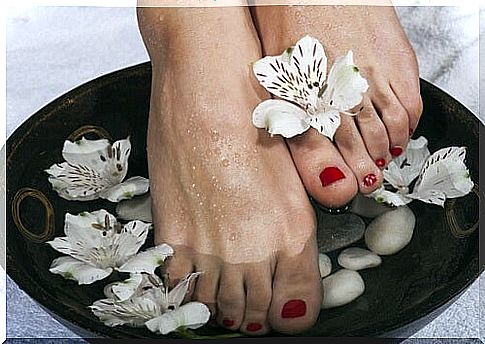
(226, 196)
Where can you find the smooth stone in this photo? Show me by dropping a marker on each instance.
(390, 232)
(368, 207)
(356, 258)
(324, 264)
(337, 231)
(341, 288)
(138, 208)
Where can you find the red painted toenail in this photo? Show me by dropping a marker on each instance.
(381, 162)
(330, 175)
(253, 327)
(396, 151)
(293, 309)
(228, 322)
(370, 179)
(411, 131)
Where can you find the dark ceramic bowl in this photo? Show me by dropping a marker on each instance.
(407, 291)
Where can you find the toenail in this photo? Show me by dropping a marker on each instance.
(396, 151)
(253, 327)
(411, 131)
(293, 309)
(228, 322)
(380, 163)
(370, 179)
(330, 175)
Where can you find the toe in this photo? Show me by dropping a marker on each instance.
(351, 145)
(326, 176)
(408, 93)
(297, 293)
(373, 133)
(394, 117)
(207, 283)
(179, 265)
(231, 298)
(257, 280)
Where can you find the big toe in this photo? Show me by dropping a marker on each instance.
(297, 293)
(326, 176)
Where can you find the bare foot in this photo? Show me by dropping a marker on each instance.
(391, 107)
(226, 196)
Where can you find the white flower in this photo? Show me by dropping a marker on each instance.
(439, 176)
(95, 169)
(144, 299)
(96, 244)
(298, 77)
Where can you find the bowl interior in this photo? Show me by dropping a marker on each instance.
(436, 266)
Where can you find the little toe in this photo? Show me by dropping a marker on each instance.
(231, 297)
(323, 171)
(207, 283)
(408, 93)
(179, 265)
(351, 145)
(257, 282)
(297, 292)
(373, 133)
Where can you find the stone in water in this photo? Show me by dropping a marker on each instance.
(355, 258)
(342, 287)
(337, 231)
(390, 232)
(324, 264)
(138, 208)
(368, 207)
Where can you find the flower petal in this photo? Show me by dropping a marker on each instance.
(345, 84)
(91, 153)
(148, 260)
(122, 291)
(191, 315)
(279, 117)
(134, 312)
(126, 190)
(382, 195)
(285, 81)
(77, 182)
(128, 241)
(77, 270)
(178, 293)
(444, 175)
(402, 170)
(120, 152)
(308, 57)
(326, 123)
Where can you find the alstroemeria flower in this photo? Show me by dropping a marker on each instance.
(144, 300)
(308, 98)
(96, 244)
(439, 176)
(95, 169)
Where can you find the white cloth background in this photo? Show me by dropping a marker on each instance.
(51, 50)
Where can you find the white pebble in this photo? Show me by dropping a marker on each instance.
(355, 258)
(324, 264)
(390, 232)
(342, 287)
(368, 207)
(138, 208)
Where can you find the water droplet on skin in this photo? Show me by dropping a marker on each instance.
(193, 167)
(214, 135)
(194, 148)
(220, 188)
(201, 203)
(193, 185)
(214, 205)
(189, 131)
(225, 162)
(255, 150)
(198, 194)
(244, 146)
(213, 177)
(233, 237)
